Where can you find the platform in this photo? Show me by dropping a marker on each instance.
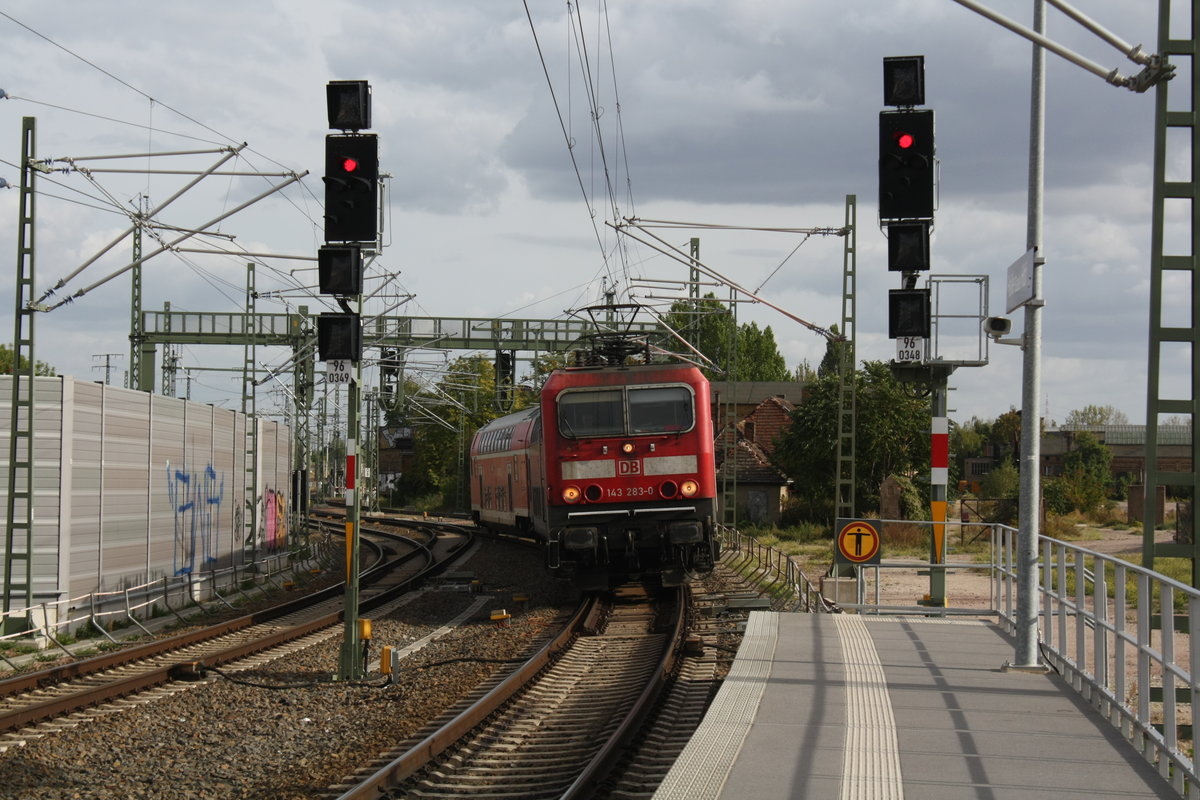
(843, 706)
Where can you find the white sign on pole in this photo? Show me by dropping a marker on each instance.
(337, 370)
(1020, 282)
(910, 349)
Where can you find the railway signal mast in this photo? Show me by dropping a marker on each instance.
(907, 198)
(351, 225)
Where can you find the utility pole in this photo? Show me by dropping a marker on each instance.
(108, 365)
(1155, 72)
(135, 302)
(1028, 513)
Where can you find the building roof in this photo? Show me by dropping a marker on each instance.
(769, 418)
(748, 392)
(752, 465)
(1130, 434)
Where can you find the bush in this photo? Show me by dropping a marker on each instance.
(1060, 527)
(905, 537)
(797, 513)
(912, 499)
(1002, 481)
(1054, 493)
(800, 533)
(1107, 515)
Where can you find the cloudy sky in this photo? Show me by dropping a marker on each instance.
(760, 114)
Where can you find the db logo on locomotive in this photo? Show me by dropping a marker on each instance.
(629, 467)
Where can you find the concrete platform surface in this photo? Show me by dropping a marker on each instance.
(845, 707)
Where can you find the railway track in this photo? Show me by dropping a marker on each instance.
(586, 743)
(35, 698)
(554, 727)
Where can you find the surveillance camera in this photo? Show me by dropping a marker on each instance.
(997, 326)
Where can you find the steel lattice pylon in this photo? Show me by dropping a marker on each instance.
(1161, 264)
(847, 389)
(18, 533)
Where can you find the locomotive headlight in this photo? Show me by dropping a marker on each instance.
(689, 488)
(571, 494)
(627, 448)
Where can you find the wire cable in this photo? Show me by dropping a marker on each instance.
(563, 126)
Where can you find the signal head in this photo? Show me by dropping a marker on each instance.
(904, 81)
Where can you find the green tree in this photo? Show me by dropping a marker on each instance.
(966, 441)
(456, 407)
(892, 438)
(6, 363)
(709, 326)
(1003, 482)
(1086, 472)
(804, 373)
(835, 350)
(542, 366)
(758, 357)
(1006, 435)
(1096, 415)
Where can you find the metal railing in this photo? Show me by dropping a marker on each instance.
(49, 623)
(1118, 633)
(780, 571)
(1098, 620)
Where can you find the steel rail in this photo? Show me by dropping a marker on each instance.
(606, 758)
(166, 670)
(598, 767)
(438, 742)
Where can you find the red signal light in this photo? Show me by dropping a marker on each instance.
(905, 140)
(350, 164)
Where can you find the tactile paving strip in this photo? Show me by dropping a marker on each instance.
(702, 768)
(871, 758)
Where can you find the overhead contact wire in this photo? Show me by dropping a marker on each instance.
(562, 125)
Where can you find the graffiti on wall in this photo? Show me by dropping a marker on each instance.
(274, 519)
(195, 499)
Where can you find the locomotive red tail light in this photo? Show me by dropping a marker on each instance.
(593, 493)
(689, 488)
(627, 448)
(571, 494)
(668, 489)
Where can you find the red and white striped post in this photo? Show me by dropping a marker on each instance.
(939, 471)
(351, 519)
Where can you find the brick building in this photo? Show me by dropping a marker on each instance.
(761, 489)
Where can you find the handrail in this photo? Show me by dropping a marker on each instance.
(1102, 622)
(1098, 621)
(780, 567)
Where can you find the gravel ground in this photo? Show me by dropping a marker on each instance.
(230, 740)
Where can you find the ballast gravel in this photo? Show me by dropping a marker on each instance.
(223, 739)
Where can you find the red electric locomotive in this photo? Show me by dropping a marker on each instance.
(613, 470)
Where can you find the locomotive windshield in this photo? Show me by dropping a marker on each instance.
(615, 412)
(591, 413)
(661, 409)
